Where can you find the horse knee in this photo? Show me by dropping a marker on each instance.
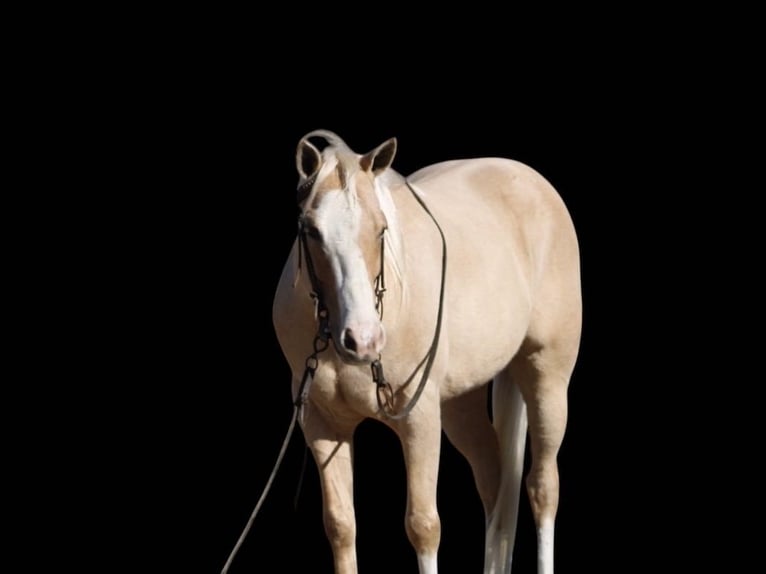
(340, 529)
(543, 491)
(424, 530)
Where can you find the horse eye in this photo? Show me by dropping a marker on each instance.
(313, 232)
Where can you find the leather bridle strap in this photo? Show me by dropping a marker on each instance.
(386, 405)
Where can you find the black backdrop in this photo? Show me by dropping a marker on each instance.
(169, 209)
(208, 217)
(218, 242)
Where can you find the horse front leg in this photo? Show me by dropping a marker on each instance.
(331, 444)
(420, 435)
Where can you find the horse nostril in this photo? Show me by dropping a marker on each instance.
(348, 340)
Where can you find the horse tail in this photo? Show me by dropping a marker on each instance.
(509, 417)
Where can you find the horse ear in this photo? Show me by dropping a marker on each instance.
(307, 159)
(380, 158)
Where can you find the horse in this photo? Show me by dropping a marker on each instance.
(477, 262)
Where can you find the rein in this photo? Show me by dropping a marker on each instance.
(383, 386)
(322, 342)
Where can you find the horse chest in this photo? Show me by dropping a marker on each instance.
(344, 389)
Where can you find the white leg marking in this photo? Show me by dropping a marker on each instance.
(545, 548)
(427, 564)
(498, 549)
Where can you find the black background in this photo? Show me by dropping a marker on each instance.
(201, 215)
(209, 282)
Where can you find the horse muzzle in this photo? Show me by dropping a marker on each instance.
(363, 342)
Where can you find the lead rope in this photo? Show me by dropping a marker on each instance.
(263, 494)
(321, 342)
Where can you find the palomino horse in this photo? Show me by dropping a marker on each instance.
(478, 264)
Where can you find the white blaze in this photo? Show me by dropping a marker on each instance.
(338, 217)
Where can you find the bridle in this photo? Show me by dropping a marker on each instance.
(384, 391)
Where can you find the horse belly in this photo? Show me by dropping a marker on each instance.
(487, 208)
(488, 320)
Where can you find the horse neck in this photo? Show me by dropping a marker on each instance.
(408, 274)
(418, 232)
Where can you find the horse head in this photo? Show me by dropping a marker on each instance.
(341, 234)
